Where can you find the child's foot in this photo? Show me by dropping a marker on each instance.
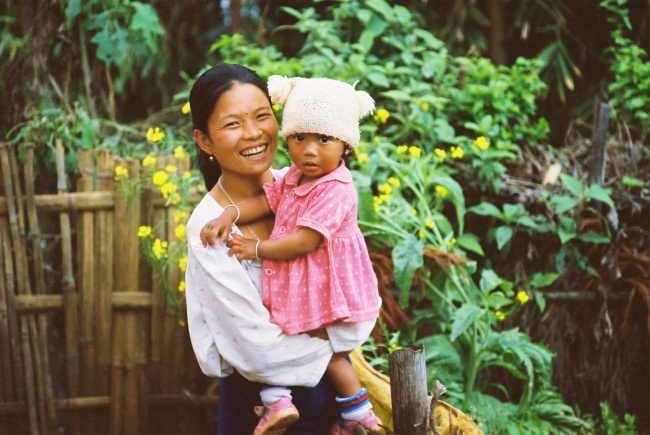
(370, 422)
(276, 417)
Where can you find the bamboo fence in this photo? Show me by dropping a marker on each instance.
(86, 345)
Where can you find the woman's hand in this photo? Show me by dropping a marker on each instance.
(243, 249)
(216, 227)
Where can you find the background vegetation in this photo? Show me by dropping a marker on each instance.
(476, 102)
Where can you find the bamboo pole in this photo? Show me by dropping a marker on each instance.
(47, 395)
(408, 379)
(19, 286)
(128, 411)
(104, 275)
(69, 291)
(86, 261)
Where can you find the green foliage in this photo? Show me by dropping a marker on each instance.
(629, 90)
(611, 424)
(127, 35)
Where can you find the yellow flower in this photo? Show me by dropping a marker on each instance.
(385, 188)
(442, 191)
(159, 248)
(402, 149)
(277, 107)
(180, 216)
(181, 286)
(414, 212)
(482, 142)
(185, 110)
(171, 169)
(144, 231)
(121, 172)
(394, 181)
(168, 189)
(423, 104)
(179, 152)
(182, 263)
(382, 115)
(429, 223)
(422, 234)
(394, 346)
(457, 152)
(180, 231)
(499, 315)
(186, 175)
(149, 160)
(160, 178)
(451, 243)
(415, 151)
(363, 158)
(155, 135)
(522, 297)
(439, 152)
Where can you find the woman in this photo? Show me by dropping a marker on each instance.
(237, 136)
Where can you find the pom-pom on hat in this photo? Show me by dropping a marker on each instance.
(320, 105)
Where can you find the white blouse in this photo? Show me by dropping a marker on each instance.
(228, 324)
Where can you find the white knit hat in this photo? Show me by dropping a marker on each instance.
(320, 105)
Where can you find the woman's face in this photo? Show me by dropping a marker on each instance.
(242, 131)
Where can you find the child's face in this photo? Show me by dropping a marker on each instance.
(315, 154)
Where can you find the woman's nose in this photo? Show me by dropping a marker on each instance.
(252, 130)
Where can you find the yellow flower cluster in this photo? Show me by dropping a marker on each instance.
(482, 143)
(185, 110)
(442, 191)
(500, 315)
(457, 152)
(440, 153)
(412, 150)
(159, 249)
(121, 172)
(381, 116)
(522, 297)
(155, 135)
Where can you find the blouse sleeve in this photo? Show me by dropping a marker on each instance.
(229, 326)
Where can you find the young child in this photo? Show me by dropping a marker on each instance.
(317, 274)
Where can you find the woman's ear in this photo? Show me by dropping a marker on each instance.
(203, 141)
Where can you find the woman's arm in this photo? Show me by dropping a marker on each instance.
(230, 328)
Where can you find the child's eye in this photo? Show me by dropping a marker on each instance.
(324, 139)
(298, 137)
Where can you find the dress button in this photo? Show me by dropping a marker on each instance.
(282, 229)
(268, 271)
(292, 193)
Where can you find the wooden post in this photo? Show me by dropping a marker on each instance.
(408, 379)
(599, 142)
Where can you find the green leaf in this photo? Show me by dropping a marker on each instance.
(572, 184)
(407, 258)
(464, 317)
(541, 280)
(592, 237)
(503, 235)
(489, 280)
(602, 194)
(486, 209)
(471, 243)
(562, 203)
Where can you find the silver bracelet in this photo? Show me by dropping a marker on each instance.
(238, 212)
(257, 245)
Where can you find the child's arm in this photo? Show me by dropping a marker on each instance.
(245, 211)
(292, 246)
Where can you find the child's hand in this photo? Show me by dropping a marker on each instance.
(243, 249)
(213, 229)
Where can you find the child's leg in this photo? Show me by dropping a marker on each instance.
(272, 393)
(353, 399)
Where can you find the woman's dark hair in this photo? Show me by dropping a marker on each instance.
(204, 95)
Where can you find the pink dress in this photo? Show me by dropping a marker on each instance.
(336, 282)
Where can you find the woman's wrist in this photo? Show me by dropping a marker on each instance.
(257, 250)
